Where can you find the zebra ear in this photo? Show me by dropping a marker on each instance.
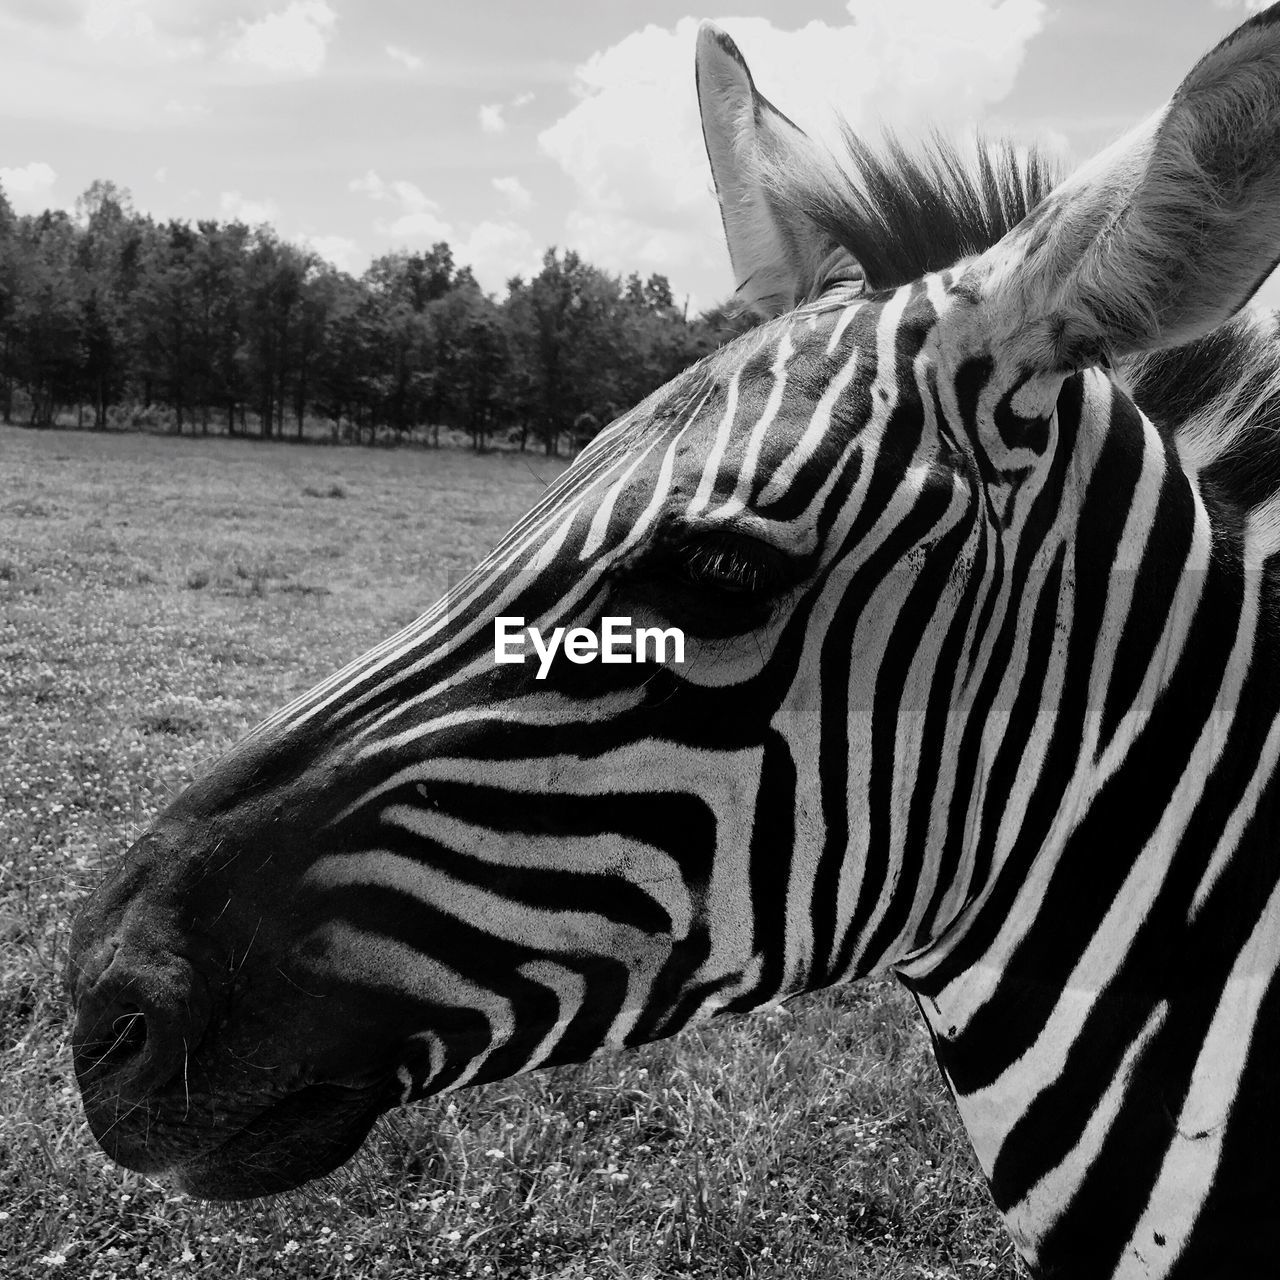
(1164, 236)
(779, 257)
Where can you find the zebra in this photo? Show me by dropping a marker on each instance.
(974, 544)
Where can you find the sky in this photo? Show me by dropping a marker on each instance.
(360, 127)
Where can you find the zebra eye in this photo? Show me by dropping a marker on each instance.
(736, 567)
(714, 585)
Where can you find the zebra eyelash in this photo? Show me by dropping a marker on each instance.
(712, 584)
(732, 567)
(729, 563)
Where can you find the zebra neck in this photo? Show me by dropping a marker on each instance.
(1107, 1011)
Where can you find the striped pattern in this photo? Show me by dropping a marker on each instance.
(980, 599)
(992, 746)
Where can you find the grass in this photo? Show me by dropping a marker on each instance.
(157, 596)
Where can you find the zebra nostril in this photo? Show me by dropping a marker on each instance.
(118, 1043)
(136, 1025)
(130, 1037)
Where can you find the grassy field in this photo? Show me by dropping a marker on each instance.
(157, 596)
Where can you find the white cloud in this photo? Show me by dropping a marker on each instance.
(30, 188)
(419, 217)
(411, 197)
(405, 57)
(496, 251)
(161, 174)
(423, 227)
(107, 64)
(130, 28)
(514, 192)
(1053, 142)
(176, 109)
(236, 208)
(341, 251)
(633, 145)
(106, 18)
(408, 195)
(370, 185)
(492, 117)
(294, 41)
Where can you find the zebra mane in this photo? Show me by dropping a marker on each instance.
(1219, 399)
(902, 215)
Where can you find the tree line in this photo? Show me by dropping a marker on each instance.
(115, 317)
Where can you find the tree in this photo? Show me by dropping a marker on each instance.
(218, 278)
(339, 385)
(109, 254)
(46, 317)
(568, 322)
(167, 320)
(471, 354)
(276, 272)
(11, 263)
(218, 317)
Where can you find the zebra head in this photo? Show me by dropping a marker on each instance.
(893, 524)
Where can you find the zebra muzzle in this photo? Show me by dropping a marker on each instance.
(137, 1022)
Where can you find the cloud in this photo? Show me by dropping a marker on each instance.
(370, 185)
(492, 114)
(30, 188)
(253, 213)
(52, 13)
(341, 251)
(177, 110)
(514, 192)
(632, 145)
(292, 42)
(407, 194)
(496, 251)
(130, 28)
(423, 227)
(102, 63)
(404, 57)
(419, 218)
(106, 18)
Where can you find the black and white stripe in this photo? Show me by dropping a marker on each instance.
(979, 687)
